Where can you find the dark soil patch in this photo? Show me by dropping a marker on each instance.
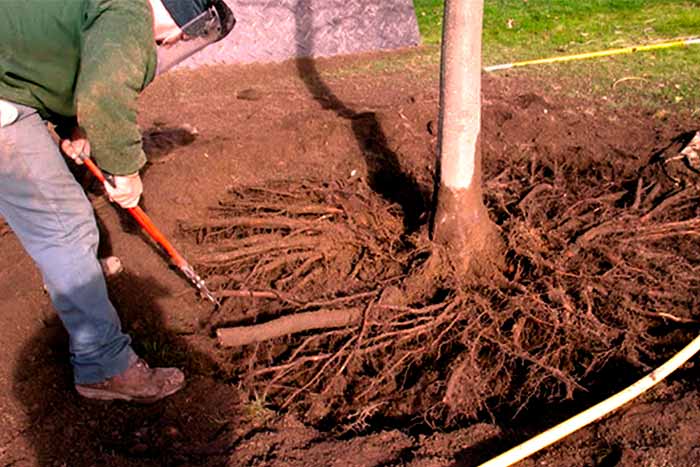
(322, 186)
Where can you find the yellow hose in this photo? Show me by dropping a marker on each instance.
(564, 429)
(601, 53)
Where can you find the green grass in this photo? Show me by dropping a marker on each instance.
(429, 15)
(516, 30)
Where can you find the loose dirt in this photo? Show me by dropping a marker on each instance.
(302, 188)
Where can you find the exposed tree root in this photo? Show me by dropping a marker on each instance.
(365, 321)
(292, 324)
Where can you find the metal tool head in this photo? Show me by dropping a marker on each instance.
(199, 283)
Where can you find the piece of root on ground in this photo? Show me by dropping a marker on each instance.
(350, 321)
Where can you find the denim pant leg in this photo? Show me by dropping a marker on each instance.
(50, 214)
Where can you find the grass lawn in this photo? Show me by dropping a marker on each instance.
(516, 30)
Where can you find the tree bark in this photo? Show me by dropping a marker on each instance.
(461, 221)
(292, 324)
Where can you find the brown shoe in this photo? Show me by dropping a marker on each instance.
(138, 383)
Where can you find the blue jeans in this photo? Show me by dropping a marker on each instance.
(50, 214)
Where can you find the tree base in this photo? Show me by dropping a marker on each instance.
(472, 240)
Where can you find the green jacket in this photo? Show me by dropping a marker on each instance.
(88, 59)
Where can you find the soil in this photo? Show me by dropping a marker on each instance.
(600, 283)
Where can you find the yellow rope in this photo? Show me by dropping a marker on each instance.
(600, 53)
(596, 412)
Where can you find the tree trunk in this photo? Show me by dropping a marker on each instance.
(461, 221)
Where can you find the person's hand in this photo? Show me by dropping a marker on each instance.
(126, 190)
(76, 146)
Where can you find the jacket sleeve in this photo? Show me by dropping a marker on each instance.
(117, 58)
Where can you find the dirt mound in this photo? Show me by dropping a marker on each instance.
(599, 219)
(591, 243)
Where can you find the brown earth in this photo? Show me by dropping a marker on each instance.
(602, 248)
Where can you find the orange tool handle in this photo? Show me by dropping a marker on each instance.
(144, 221)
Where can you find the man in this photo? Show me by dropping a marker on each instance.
(85, 62)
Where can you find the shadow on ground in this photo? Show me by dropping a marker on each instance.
(384, 172)
(64, 429)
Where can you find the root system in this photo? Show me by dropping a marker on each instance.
(340, 315)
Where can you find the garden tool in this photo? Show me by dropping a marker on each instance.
(145, 222)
